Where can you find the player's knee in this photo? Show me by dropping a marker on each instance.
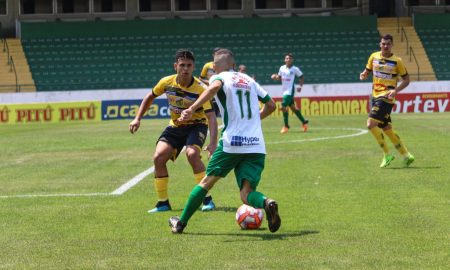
(192, 155)
(371, 124)
(158, 158)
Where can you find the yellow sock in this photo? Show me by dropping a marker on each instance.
(161, 186)
(395, 139)
(376, 132)
(198, 177)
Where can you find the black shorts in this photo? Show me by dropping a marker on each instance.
(381, 112)
(178, 137)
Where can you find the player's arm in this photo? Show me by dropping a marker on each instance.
(212, 89)
(369, 66)
(268, 107)
(363, 75)
(145, 104)
(212, 126)
(400, 87)
(275, 77)
(301, 81)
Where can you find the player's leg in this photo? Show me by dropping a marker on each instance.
(284, 109)
(169, 146)
(408, 158)
(194, 144)
(248, 174)
(163, 153)
(375, 122)
(299, 115)
(376, 131)
(220, 165)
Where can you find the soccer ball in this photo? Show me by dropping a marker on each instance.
(249, 218)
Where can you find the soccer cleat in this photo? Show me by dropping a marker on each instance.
(284, 130)
(408, 160)
(273, 218)
(161, 206)
(176, 225)
(208, 204)
(305, 125)
(387, 159)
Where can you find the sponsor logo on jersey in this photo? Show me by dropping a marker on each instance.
(244, 141)
(382, 75)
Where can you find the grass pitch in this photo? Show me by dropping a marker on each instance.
(339, 209)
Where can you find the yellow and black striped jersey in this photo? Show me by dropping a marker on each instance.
(207, 71)
(386, 73)
(180, 98)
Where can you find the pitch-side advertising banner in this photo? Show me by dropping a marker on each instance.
(50, 112)
(353, 98)
(127, 109)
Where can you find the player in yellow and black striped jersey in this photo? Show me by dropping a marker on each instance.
(387, 70)
(206, 73)
(182, 90)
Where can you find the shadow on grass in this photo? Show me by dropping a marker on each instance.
(257, 236)
(223, 209)
(415, 168)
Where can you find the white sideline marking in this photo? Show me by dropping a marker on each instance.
(54, 195)
(138, 178)
(361, 132)
(134, 181)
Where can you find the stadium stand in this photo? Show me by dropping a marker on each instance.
(135, 54)
(15, 75)
(434, 31)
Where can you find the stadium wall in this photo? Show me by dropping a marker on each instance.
(315, 100)
(217, 25)
(432, 21)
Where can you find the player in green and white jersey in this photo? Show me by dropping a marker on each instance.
(241, 147)
(287, 75)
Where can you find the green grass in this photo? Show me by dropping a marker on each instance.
(339, 209)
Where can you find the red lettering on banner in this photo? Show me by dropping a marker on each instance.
(4, 115)
(34, 115)
(426, 103)
(77, 113)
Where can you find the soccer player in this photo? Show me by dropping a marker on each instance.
(287, 74)
(386, 69)
(181, 89)
(241, 147)
(243, 69)
(208, 69)
(206, 73)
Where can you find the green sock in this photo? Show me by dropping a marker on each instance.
(193, 203)
(256, 199)
(300, 116)
(286, 119)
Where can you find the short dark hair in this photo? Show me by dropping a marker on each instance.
(184, 54)
(216, 49)
(224, 51)
(289, 54)
(388, 37)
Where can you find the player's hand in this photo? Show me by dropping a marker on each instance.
(274, 77)
(363, 76)
(392, 94)
(185, 115)
(134, 126)
(210, 148)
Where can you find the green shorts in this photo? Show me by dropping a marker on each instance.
(246, 166)
(288, 100)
